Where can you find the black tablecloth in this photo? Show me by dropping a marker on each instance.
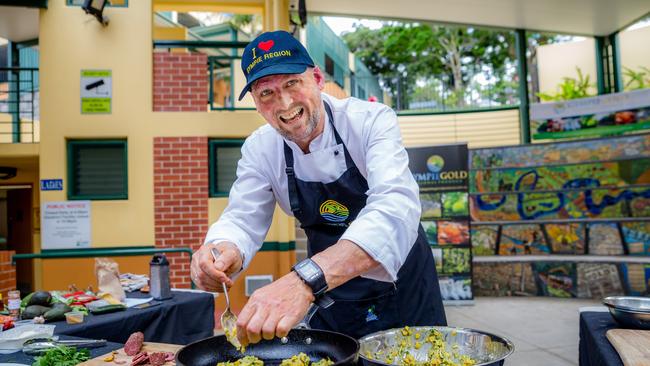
(594, 348)
(20, 357)
(187, 317)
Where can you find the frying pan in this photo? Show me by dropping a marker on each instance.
(317, 344)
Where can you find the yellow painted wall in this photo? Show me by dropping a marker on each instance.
(71, 41)
(170, 33)
(60, 275)
(560, 60)
(556, 61)
(634, 46)
(483, 129)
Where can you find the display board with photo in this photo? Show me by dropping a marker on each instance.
(442, 174)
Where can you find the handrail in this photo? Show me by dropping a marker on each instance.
(198, 44)
(107, 252)
(18, 68)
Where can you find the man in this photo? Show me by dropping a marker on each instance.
(339, 167)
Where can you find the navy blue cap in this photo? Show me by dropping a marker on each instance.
(273, 53)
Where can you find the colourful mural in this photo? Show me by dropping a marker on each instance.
(504, 279)
(520, 195)
(607, 174)
(605, 239)
(597, 281)
(637, 237)
(636, 277)
(522, 239)
(556, 279)
(583, 151)
(566, 238)
(484, 239)
(571, 204)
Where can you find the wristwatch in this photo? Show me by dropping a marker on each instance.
(312, 275)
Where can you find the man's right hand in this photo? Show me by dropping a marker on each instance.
(208, 274)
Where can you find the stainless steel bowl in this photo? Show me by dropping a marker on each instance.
(632, 303)
(485, 348)
(630, 311)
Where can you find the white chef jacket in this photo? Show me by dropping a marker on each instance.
(386, 228)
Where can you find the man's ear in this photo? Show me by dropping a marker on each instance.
(319, 77)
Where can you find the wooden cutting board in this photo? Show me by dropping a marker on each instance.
(121, 356)
(633, 346)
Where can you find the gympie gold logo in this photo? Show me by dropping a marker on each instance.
(333, 211)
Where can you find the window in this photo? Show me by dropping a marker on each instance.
(224, 155)
(329, 66)
(97, 170)
(114, 3)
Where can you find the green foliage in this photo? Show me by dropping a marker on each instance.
(62, 356)
(637, 79)
(404, 53)
(570, 88)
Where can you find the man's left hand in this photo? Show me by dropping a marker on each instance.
(274, 309)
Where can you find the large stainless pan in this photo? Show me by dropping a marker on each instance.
(485, 348)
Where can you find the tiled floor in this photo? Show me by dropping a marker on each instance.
(544, 330)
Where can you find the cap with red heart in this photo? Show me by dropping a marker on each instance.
(273, 53)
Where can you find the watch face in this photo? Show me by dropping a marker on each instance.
(309, 270)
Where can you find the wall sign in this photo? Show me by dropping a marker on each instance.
(51, 184)
(96, 91)
(603, 115)
(65, 225)
(442, 172)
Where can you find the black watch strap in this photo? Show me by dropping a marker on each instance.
(312, 275)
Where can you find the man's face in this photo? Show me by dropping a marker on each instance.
(292, 104)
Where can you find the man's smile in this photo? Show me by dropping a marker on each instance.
(292, 115)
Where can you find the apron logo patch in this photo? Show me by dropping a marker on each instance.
(371, 316)
(333, 211)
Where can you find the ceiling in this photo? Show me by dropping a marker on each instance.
(580, 17)
(18, 24)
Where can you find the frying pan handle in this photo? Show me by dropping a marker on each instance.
(304, 323)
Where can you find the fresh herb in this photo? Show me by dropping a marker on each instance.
(62, 356)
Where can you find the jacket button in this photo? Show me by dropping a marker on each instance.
(336, 152)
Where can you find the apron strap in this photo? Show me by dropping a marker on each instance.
(291, 180)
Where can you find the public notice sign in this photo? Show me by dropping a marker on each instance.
(96, 91)
(65, 225)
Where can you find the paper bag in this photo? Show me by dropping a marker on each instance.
(108, 278)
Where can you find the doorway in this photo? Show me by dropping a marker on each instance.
(16, 230)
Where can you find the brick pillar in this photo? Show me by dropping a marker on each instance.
(180, 199)
(7, 273)
(180, 82)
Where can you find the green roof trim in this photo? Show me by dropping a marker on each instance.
(278, 246)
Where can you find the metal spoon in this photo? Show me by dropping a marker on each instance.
(38, 346)
(228, 319)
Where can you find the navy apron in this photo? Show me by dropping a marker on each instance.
(362, 306)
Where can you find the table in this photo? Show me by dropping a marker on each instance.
(594, 348)
(185, 318)
(19, 357)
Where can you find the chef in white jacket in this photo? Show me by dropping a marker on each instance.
(339, 167)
